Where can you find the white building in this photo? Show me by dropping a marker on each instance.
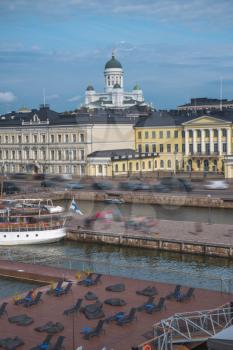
(114, 95)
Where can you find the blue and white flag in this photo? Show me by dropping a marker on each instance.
(75, 208)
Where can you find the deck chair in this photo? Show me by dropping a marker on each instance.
(53, 290)
(65, 291)
(25, 299)
(88, 277)
(95, 331)
(35, 301)
(59, 343)
(156, 307)
(186, 296)
(149, 301)
(3, 309)
(45, 345)
(173, 295)
(128, 318)
(92, 281)
(73, 309)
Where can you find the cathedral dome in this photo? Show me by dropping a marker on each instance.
(113, 63)
(90, 88)
(136, 87)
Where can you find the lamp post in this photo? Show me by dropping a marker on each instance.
(209, 212)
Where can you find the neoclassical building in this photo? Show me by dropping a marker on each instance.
(114, 96)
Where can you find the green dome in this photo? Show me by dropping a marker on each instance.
(90, 88)
(116, 86)
(137, 87)
(113, 63)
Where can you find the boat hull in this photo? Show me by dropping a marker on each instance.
(8, 238)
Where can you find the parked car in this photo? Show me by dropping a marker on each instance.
(216, 185)
(74, 186)
(160, 188)
(48, 183)
(102, 186)
(134, 186)
(9, 188)
(176, 184)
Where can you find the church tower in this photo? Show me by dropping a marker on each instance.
(113, 74)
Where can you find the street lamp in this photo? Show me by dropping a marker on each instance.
(209, 212)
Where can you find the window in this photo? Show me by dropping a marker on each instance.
(43, 138)
(207, 133)
(161, 164)
(198, 164)
(199, 147)
(183, 134)
(146, 134)
(82, 154)
(13, 154)
(153, 147)
(153, 134)
(59, 138)
(19, 139)
(27, 139)
(143, 165)
(169, 163)
(66, 138)
(59, 155)
(161, 148)
(52, 155)
(176, 149)
(13, 139)
(215, 147)
(190, 133)
(52, 138)
(207, 148)
(74, 138)
(140, 148)
(215, 133)
(168, 134)
(137, 166)
(183, 147)
(116, 168)
(130, 166)
(176, 134)
(198, 133)
(168, 148)
(161, 134)
(74, 154)
(123, 167)
(6, 139)
(224, 147)
(67, 153)
(149, 165)
(81, 137)
(191, 148)
(146, 148)
(35, 138)
(156, 164)
(139, 135)
(100, 169)
(224, 132)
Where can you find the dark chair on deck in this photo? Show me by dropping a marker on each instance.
(53, 290)
(150, 308)
(45, 345)
(62, 291)
(175, 293)
(59, 343)
(25, 299)
(128, 318)
(3, 309)
(35, 301)
(92, 281)
(186, 296)
(73, 309)
(149, 301)
(90, 333)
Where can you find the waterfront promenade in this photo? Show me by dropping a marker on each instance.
(115, 337)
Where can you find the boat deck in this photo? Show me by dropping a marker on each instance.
(115, 337)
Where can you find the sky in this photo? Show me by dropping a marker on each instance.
(175, 49)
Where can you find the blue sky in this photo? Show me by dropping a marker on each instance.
(175, 49)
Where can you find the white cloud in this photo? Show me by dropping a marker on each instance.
(74, 98)
(52, 97)
(7, 97)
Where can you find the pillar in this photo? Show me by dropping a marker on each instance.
(229, 141)
(203, 141)
(194, 141)
(220, 141)
(211, 141)
(186, 142)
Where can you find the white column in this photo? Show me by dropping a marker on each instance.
(186, 142)
(229, 141)
(202, 141)
(220, 141)
(211, 141)
(194, 141)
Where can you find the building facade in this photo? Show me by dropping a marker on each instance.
(114, 96)
(206, 104)
(48, 142)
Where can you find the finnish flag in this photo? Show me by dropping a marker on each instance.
(75, 208)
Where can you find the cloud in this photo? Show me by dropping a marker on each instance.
(74, 98)
(7, 97)
(52, 97)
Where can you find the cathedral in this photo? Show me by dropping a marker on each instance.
(114, 95)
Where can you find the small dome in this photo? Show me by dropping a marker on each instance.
(137, 87)
(90, 88)
(116, 86)
(113, 63)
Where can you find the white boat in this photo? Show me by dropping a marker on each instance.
(31, 223)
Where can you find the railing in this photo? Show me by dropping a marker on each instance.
(189, 327)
